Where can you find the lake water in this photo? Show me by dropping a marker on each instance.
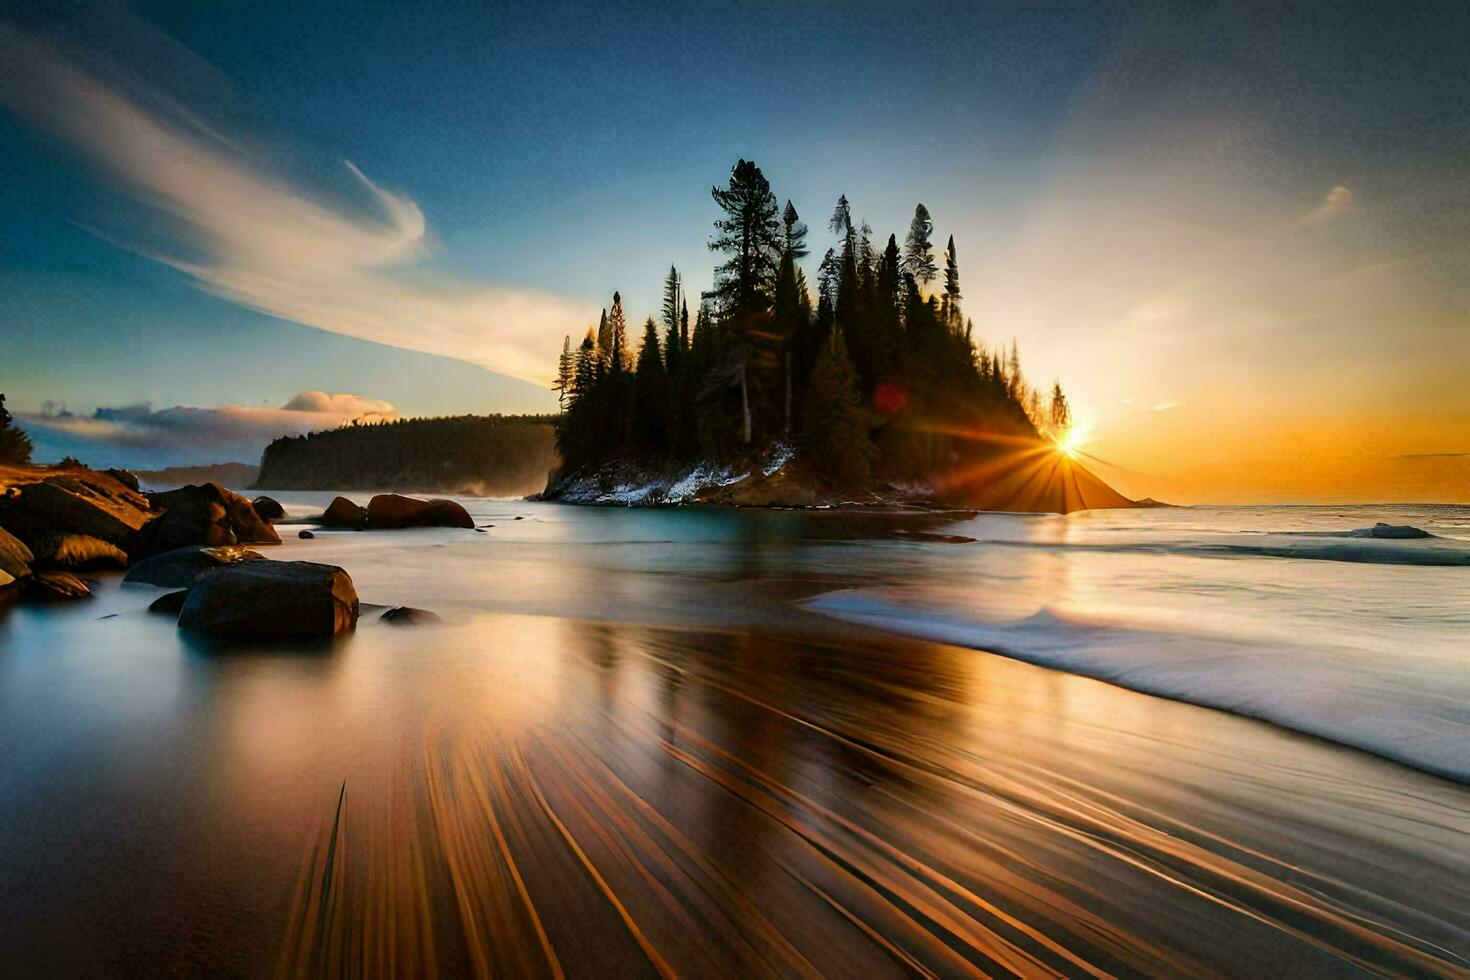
(734, 742)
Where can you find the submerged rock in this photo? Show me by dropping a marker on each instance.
(1392, 531)
(409, 616)
(342, 512)
(55, 584)
(267, 508)
(207, 514)
(180, 567)
(305, 535)
(169, 602)
(388, 510)
(272, 598)
(58, 550)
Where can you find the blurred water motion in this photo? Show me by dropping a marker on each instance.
(669, 768)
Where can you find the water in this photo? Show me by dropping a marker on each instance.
(671, 739)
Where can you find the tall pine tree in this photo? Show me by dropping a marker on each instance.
(918, 251)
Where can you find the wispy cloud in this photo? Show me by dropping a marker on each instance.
(1337, 201)
(252, 236)
(1166, 406)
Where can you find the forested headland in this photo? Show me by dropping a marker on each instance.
(875, 376)
(495, 455)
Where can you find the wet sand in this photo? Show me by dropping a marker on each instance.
(633, 801)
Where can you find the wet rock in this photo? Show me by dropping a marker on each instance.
(126, 477)
(79, 502)
(267, 508)
(56, 584)
(1395, 531)
(272, 598)
(305, 535)
(15, 558)
(179, 568)
(409, 616)
(389, 510)
(58, 550)
(169, 602)
(207, 514)
(344, 513)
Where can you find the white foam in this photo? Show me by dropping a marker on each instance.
(1410, 712)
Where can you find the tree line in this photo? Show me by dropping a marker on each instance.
(881, 377)
(492, 455)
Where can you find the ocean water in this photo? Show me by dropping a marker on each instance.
(712, 741)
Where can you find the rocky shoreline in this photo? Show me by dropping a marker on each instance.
(57, 523)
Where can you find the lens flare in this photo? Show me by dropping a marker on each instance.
(1071, 440)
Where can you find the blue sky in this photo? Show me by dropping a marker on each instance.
(1164, 203)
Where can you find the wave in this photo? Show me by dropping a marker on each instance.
(1346, 546)
(1411, 712)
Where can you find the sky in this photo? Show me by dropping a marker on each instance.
(1239, 234)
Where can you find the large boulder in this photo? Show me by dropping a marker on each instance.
(179, 568)
(208, 514)
(127, 478)
(342, 512)
(268, 508)
(59, 550)
(396, 510)
(15, 558)
(272, 598)
(80, 502)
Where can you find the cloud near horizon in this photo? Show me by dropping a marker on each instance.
(250, 236)
(136, 436)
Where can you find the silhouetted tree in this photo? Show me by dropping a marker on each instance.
(918, 251)
(565, 370)
(15, 445)
(620, 358)
(650, 397)
(750, 234)
(1060, 416)
(834, 436)
(794, 231)
(951, 287)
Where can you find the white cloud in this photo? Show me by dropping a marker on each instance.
(340, 404)
(1337, 201)
(1166, 406)
(246, 234)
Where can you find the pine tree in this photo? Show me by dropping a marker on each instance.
(750, 233)
(834, 432)
(15, 445)
(649, 435)
(619, 357)
(1060, 417)
(918, 251)
(951, 287)
(565, 368)
(603, 344)
(795, 232)
(841, 222)
(684, 327)
(673, 295)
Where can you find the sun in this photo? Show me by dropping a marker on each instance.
(1070, 441)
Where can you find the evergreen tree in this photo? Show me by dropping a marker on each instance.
(841, 222)
(15, 445)
(795, 233)
(619, 357)
(565, 369)
(834, 435)
(649, 434)
(673, 296)
(750, 233)
(918, 251)
(951, 287)
(684, 326)
(1061, 414)
(603, 345)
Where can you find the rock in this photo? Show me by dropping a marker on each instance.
(208, 514)
(344, 513)
(409, 616)
(519, 518)
(272, 598)
(15, 557)
(169, 602)
(1396, 531)
(80, 502)
(126, 477)
(396, 510)
(305, 535)
(268, 509)
(53, 584)
(179, 568)
(58, 550)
